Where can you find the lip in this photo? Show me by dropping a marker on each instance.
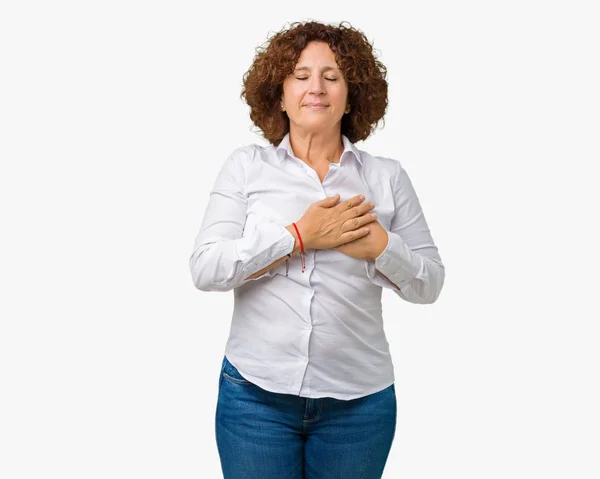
(316, 106)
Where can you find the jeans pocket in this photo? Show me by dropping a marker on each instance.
(231, 373)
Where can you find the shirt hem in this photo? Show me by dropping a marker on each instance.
(270, 387)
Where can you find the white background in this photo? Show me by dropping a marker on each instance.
(115, 118)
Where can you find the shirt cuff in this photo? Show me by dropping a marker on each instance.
(396, 264)
(280, 242)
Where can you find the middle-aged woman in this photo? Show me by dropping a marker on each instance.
(306, 387)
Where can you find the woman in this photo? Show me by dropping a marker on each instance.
(306, 388)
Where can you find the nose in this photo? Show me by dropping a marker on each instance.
(316, 85)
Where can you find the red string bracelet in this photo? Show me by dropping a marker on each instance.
(302, 254)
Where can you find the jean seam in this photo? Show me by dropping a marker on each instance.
(318, 414)
(235, 380)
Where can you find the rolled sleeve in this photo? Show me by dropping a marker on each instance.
(397, 263)
(231, 245)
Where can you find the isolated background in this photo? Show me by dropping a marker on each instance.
(115, 118)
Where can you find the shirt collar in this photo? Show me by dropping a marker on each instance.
(285, 147)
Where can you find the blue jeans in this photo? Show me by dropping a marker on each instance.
(266, 435)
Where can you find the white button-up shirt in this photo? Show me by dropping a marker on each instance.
(319, 332)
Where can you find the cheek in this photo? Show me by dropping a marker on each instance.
(295, 88)
(339, 95)
(290, 91)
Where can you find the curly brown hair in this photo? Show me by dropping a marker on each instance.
(277, 58)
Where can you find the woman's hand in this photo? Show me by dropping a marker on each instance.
(327, 224)
(369, 246)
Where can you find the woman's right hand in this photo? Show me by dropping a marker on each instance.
(327, 224)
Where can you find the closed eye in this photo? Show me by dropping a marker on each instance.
(305, 78)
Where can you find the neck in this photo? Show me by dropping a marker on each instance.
(317, 148)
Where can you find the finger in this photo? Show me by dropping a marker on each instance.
(355, 222)
(330, 200)
(352, 202)
(359, 210)
(354, 235)
(365, 207)
(369, 218)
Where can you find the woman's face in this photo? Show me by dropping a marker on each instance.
(316, 79)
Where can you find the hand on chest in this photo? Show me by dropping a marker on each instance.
(283, 198)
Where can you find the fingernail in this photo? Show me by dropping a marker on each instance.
(362, 197)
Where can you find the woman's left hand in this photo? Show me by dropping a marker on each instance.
(369, 246)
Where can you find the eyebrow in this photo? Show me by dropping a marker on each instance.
(324, 69)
